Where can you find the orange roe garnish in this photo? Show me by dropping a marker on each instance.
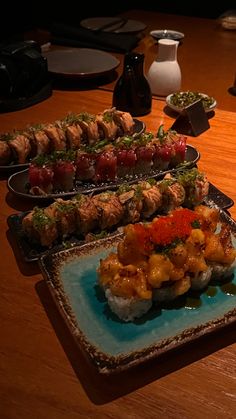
(166, 229)
(178, 225)
(143, 237)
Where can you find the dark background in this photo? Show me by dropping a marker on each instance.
(23, 16)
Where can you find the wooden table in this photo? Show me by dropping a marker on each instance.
(44, 375)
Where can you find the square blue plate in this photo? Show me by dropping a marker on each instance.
(113, 345)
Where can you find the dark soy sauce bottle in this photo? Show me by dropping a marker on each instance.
(132, 92)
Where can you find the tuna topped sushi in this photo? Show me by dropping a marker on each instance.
(163, 259)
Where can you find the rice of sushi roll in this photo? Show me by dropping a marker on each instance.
(127, 309)
(171, 291)
(221, 271)
(200, 280)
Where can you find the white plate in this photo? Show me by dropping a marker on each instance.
(167, 33)
(179, 108)
(80, 62)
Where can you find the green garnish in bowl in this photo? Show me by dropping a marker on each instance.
(180, 100)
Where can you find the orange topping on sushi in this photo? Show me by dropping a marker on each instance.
(163, 231)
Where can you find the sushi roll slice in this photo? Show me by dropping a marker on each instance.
(20, 147)
(220, 253)
(65, 215)
(40, 142)
(173, 194)
(5, 152)
(89, 126)
(105, 167)
(152, 199)
(109, 208)
(162, 157)
(72, 130)
(57, 137)
(126, 289)
(171, 290)
(64, 169)
(87, 214)
(41, 176)
(124, 121)
(40, 226)
(196, 186)
(131, 200)
(126, 162)
(107, 127)
(85, 165)
(144, 162)
(200, 280)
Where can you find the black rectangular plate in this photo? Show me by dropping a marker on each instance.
(31, 252)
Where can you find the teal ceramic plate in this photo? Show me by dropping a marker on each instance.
(113, 345)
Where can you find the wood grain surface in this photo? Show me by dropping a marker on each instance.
(43, 374)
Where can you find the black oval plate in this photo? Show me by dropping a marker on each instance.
(17, 183)
(139, 127)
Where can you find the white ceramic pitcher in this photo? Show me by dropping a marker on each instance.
(164, 75)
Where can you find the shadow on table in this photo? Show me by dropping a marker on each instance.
(26, 268)
(103, 389)
(173, 114)
(74, 83)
